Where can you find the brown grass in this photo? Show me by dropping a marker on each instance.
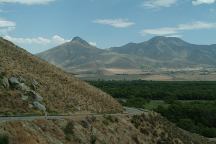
(152, 129)
(62, 93)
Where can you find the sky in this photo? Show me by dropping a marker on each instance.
(38, 25)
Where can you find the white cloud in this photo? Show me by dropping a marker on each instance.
(55, 40)
(196, 25)
(159, 31)
(159, 3)
(58, 40)
(28, 2)
(178, 36)
(117, 23)
(6, 26)
(93, 43)
(6, 23)
(199, 2)
(164, 31)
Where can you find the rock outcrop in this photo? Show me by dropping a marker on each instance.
(18, 83)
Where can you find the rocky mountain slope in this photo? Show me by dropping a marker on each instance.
(171, 52)
(30, 85)
(158, 52)
(78, 55)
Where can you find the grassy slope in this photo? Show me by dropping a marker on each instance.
(62, 93)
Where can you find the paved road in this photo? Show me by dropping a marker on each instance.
(128, 112)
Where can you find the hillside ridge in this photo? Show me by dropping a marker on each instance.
(61, 92)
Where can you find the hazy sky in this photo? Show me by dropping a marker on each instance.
(38, 25)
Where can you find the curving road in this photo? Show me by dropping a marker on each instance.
(128, 112)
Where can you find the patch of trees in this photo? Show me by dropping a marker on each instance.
(196, 117)
(4, 139)
(155, 90)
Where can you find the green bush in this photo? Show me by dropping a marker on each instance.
(187, 124)
(4, 139)
(69, 130)
(208, 132)
(93, 139)
(136, 102)
(136, 120)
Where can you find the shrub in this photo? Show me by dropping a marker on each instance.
(106, 122)
(209, 132)
(85, 124)
(136, 121)
(187, 124)
(4, 139)
(69, 129)
(111, 118)
(93, 139)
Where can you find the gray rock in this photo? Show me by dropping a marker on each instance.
(24, 97)
(35, 96)
(39, 106)
(31, 106)
(34, 84)
(21, 79)
(38, 97)
(23, 87)
(14, 81)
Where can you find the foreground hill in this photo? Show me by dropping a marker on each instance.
(148, 128)
(157, 53)
(29, 85)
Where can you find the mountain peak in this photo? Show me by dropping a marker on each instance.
(164, 38)
(167, 40)
(79, 40)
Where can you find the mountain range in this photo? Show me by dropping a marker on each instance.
(78, 56)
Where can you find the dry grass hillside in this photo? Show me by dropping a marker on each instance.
(149, 128)
(61, 93)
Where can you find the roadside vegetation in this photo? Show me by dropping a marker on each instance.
(190, 105)
(4, 139)
(196, 117)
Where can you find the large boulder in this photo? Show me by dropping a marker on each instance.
(18, 83)
(35, 84)
(35, 96)
(23, 87)
(39, 106)
(21, 79)
(24, 97)
(14, 81)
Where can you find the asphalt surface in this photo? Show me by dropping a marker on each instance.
(128, 112)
